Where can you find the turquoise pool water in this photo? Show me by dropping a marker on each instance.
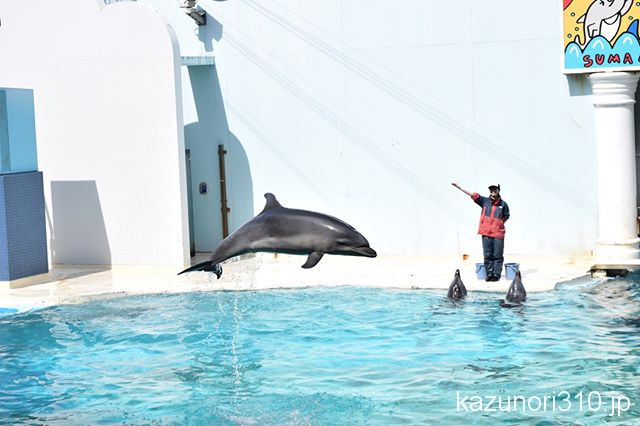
(327, 356)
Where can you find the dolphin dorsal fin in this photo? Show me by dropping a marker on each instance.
(271, 203)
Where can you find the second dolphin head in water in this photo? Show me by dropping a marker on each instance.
(291, 231)
(516, 293)
(457, 290)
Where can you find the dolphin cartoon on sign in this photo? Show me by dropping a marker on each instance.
(282, 230)
(603, 18)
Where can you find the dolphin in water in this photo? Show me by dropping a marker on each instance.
(291, 231)
(457, 290)
(516, 293)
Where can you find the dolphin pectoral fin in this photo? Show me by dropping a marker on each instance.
(313, 259)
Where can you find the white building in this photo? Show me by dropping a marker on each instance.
(365, 110)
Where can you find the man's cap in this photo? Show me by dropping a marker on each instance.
(497, 185)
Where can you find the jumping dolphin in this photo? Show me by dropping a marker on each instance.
(516, 293)
(283, 230)
(457, 290)
(603, 18)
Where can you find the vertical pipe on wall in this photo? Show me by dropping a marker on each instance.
(223, 192)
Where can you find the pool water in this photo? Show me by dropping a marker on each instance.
(327, 356)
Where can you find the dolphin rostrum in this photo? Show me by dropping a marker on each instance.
(291, 231)
(516, 293)
(457, 290)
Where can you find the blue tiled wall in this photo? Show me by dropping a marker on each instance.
(23, 241)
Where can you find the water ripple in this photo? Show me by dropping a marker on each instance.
(321, 356)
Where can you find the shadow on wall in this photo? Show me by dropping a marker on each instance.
(579, 85)
(78, 232)
(202, 139)
(240, 184)
(208, 33)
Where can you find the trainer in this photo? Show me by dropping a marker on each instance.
(495, 212)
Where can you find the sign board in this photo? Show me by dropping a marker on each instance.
(600, 35)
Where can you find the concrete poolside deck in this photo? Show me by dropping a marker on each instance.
(73, 284)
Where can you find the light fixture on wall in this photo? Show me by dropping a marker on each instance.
(190, 8)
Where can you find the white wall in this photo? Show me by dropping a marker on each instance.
(195, 40)
(368, 109)
(108, 126)
(365, 110)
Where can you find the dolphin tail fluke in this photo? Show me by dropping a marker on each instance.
(207, 266)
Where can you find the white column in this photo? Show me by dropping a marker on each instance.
(613, 98)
